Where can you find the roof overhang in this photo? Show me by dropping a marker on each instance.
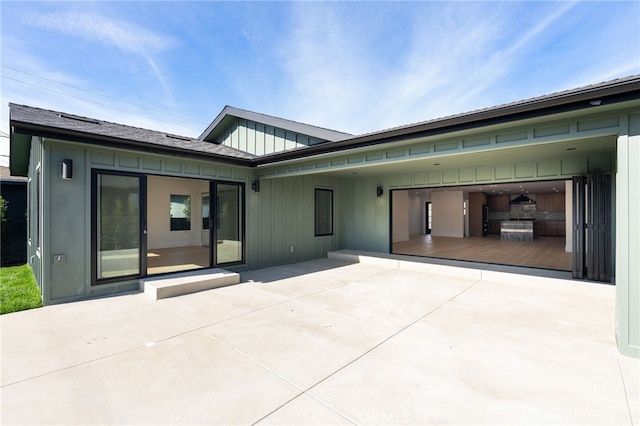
(590, 98)
(22, 132)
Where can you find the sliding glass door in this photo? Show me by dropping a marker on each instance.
(118, 234)
(228, 223)
(186, 228)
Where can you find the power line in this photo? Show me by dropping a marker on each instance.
(103, 95)
(90, 101)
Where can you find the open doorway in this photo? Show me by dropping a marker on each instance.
(464, 223)
(428, 217)
(193, 224)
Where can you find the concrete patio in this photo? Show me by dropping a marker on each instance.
(327, 342)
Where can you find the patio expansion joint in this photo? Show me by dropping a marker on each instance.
(624, 387)
(69, 367)
(383, 341)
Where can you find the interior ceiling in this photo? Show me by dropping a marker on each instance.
(547, 151)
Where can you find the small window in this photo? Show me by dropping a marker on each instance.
(324, 212)
(180, 212)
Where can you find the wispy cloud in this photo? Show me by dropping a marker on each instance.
(111, 32)
(454, 59)
(94, 27)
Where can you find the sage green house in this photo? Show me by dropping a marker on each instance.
(111, 204)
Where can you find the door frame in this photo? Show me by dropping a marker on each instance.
(143, 219)
(142, 229)
(214, 221)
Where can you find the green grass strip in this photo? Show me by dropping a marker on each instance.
(18, 289)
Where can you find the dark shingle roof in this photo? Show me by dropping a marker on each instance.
(44, 122)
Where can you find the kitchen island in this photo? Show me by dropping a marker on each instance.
(518, 230)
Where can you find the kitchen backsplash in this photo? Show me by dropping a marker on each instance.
(526, 211)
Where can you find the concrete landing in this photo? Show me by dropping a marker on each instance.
(187, 282)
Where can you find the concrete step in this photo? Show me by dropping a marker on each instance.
(187, 282)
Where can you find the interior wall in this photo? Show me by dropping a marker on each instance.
(159, 191)
(416, 213)
(400, 214)
(448, 220)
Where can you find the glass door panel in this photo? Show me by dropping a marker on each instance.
(229, 223)
(117, 226)
(204, 236)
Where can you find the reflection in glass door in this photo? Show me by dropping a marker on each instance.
(204, 233)
(229, 223)
(117, 219)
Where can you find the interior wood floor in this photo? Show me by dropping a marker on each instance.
(160, 261)
(543, 252)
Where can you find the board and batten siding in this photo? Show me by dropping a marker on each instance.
(627, 238)
(281, 216)
(260, 139)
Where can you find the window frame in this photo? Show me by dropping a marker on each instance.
(316, 228)
(186, 220)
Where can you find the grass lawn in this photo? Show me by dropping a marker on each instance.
(18, 289)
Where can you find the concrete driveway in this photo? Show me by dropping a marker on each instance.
(327, 342)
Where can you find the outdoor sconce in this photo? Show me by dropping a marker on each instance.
(66, 169)
(255, 185)
(379, 191)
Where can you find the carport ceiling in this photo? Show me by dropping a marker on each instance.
(556, 150)
(536, 187)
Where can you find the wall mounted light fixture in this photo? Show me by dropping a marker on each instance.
(255, 185)
(66, 169)
(379, 191)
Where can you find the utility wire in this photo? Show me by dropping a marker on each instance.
(103, 95)
(87, 100)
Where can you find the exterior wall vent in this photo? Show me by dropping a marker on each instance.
(78, 118)
(180, 138)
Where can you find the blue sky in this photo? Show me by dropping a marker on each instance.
(351, 66)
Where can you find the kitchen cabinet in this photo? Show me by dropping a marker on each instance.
(499, 203)
(557, 202)
(552, 202)
(552, 228)
(476, 201)
(494, 227)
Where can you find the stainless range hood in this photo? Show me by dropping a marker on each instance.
(522, 199)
